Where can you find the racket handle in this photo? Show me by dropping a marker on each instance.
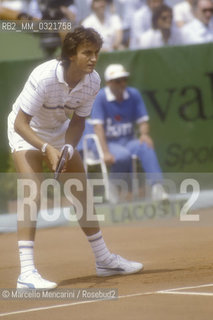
(61, 162)
(70, 150)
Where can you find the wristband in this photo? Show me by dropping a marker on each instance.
(70, 150)
(44, 147)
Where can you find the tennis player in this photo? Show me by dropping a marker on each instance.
(48, 115)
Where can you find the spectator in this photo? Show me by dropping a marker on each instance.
(107, 24)
(163, 31)
(126, 10)
(53, 10)
(110, 5)
(116, 110)
(142, 21)
(200, 29)
(183, 13)
(67, 9)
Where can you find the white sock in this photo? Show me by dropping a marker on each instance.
(26, 254)
(100, 250)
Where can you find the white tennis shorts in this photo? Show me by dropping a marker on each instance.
(55, 137)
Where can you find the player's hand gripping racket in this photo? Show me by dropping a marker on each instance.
(61, 162)
(66, 154)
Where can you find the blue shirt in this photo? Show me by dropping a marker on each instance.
(119, 118)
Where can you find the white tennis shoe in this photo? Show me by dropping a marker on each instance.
(116, 266)
(34, 281)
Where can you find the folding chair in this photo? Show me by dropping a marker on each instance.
(89, 159)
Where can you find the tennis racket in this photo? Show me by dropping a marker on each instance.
(61, 162)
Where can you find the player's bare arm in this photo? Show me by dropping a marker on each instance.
(22, 127)
(72, 137)
(75, 130)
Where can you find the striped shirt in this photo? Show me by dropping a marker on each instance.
(49, 100)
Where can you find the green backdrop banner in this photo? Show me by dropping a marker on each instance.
(20, 46)
(177, 87)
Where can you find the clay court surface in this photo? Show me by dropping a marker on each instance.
(177, 281)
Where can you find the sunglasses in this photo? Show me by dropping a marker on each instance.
(164, 18)
(207, 10)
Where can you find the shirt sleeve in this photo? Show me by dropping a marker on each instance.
(31, 98)
(85, 110)
(141, 114)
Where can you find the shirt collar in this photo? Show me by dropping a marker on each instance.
(60, 77)
(60, 73)
(111, 97)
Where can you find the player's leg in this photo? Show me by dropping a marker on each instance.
(75, 172)
(106, 263)
(28, 165)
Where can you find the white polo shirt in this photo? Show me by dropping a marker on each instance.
(48, 99)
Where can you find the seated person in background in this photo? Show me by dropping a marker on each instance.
(116, 110)
(58, 10)
(126, 10)
(142, 21)
(111, 6)
(107, 24)
(183, 12)
(63, 10)
(66, 9)
(200, 29)
(163, 32)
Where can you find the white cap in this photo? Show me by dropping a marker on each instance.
(115, 71)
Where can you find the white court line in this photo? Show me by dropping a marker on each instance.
(74, 304)
(187, 293)
(168, 291)
(187, 288)
(192, 293)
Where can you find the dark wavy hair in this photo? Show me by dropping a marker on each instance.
(75, 38)
(157, 14)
